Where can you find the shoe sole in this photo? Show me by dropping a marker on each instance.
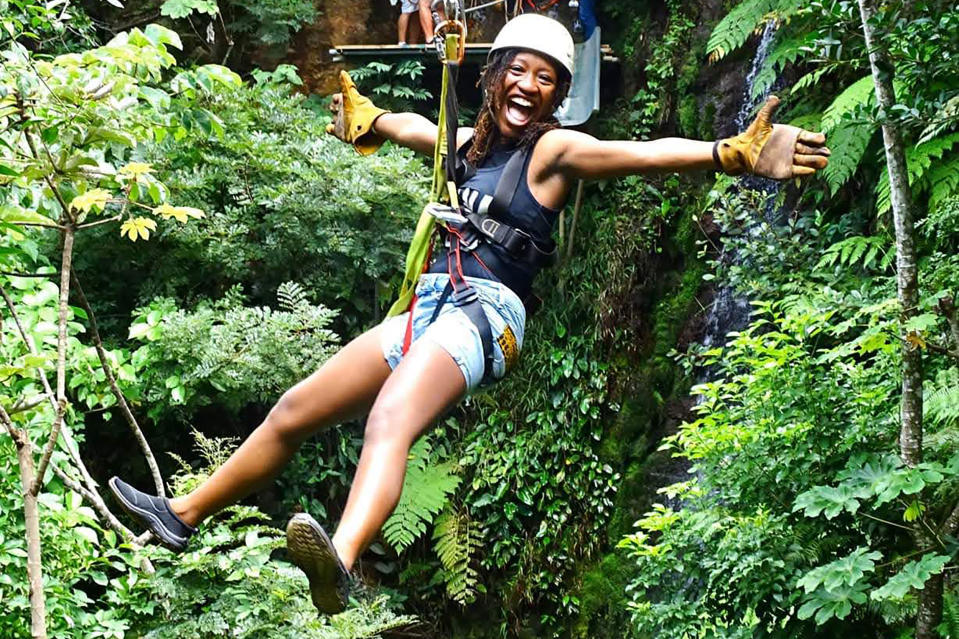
(152, 522)
(312, 552)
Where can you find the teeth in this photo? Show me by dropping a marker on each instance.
(523, 102)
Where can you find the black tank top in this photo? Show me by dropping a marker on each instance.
(476, 194)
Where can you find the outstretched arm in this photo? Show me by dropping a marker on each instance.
(773, 150)
(360, 122)
(581, 156)
(413, 131)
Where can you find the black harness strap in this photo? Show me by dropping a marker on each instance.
(467, 300)
(509, 182)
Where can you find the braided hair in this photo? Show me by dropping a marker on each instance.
(486, 132)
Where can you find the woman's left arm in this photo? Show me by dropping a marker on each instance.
(580, 156)
(773, 150)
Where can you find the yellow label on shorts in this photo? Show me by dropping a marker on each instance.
(507, 343)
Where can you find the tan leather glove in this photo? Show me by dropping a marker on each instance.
(353, 117)
(776, 151)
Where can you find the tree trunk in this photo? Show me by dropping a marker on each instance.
(929, 613)
(910, 437)
(38, 608)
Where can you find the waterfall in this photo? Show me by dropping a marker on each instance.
(730, 310)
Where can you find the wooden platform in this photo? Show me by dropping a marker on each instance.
(475, 51)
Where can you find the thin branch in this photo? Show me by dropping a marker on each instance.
(885, 521)
(30, 346)
(48, 180)
(111, 380)
(19, 408)
(66, 263)
(90, 495)
(8, 425)
(15, 274)
(115, 218)
(71, 445)
(40, 224)
(942, 350)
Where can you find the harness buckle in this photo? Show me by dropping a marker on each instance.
(490, 226)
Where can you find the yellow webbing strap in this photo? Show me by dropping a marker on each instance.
(442, 191)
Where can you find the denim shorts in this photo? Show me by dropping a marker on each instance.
(454, 331)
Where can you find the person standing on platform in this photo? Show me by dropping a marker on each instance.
(405, 30)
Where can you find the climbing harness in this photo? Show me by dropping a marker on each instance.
(461, 229)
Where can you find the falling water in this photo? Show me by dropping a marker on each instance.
(730, 310)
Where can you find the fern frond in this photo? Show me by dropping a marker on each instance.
(813, 77)
(426, 491)
(918, 161)
(947, 119)
(291, 296)
(785, 51)
(941, 401)
(859, 93)
(943, 181)
(457, 540)
(848, 142)
(734, 29)
(859, 250)
(950, 614)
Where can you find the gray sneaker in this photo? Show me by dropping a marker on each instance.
(312, 551)
(153, 513)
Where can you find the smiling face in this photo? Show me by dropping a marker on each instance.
(527, 94)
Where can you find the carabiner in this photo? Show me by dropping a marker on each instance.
(448, 27)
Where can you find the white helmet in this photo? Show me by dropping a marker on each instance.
(539, 34)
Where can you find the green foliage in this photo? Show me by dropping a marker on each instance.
(426, 491)
(950, 614)
(734, 29)
(229, 583)
(267, 23)
(847, 141)
(395, 86)
(833, 589)
(919, 160)
(52, 27)
(941, 400)
(864, 251)
(235, 353)
(271, 22)
(650, 106)
(283, 76)
(458, 541)
(859, 94)
(182, 8)
(913, 576)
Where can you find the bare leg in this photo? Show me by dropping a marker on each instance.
(426, 20)
(343, 388)
(401, 26)
(425, 384)
(414, 31)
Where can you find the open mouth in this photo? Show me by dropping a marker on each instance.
(519, 110)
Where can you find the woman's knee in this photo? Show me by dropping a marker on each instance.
(390, 422)
(288, 419)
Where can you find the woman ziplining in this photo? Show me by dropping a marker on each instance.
(460, 319)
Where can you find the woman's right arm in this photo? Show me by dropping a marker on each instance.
(407, 129)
